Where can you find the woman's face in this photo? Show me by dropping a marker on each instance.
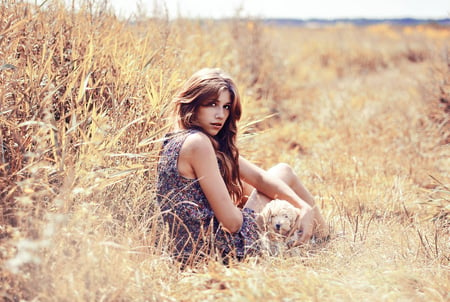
(212, 114)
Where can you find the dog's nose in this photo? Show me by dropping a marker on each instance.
(278, 226)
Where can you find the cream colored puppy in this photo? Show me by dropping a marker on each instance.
(280, 220)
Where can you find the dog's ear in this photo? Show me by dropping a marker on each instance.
(268, 216)
(268, 219)
(263, 219)
(260, 222)
(296, 226)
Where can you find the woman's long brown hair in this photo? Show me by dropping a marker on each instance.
(207, 84)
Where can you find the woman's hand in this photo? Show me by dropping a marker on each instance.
(306, 223)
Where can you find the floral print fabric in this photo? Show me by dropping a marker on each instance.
(194, 229)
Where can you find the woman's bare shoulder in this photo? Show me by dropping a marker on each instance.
(197, 141)
(197, 147)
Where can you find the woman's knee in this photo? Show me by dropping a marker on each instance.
(283, 171)
(282, 168)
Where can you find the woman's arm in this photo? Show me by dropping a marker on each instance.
(197, 155)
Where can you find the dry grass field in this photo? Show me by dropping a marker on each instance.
(361, 113)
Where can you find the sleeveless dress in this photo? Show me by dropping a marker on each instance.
(194, 229)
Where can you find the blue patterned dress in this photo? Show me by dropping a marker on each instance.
(194, 229)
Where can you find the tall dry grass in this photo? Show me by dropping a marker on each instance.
(361, 113)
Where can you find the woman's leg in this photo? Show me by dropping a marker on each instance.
(287, 174)
(257, 200)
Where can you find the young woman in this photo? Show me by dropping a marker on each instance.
(208, 193)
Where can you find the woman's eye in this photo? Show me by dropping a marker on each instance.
(227, 107)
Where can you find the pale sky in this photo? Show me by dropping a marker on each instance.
(301, 9)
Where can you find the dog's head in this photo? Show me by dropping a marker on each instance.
(279, 217)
